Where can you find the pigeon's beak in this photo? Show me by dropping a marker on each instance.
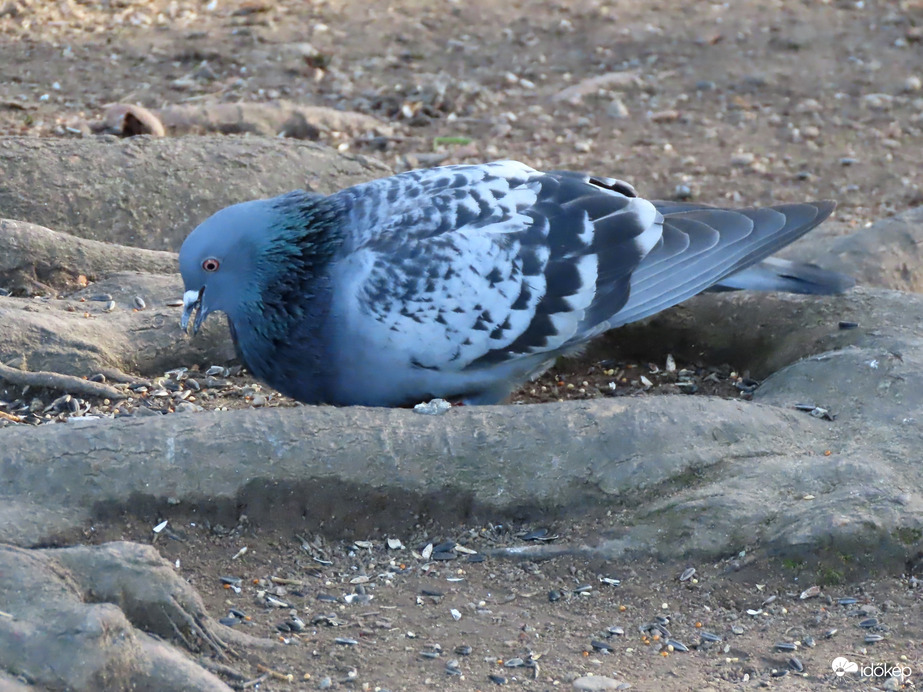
(192, 300)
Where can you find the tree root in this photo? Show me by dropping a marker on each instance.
(62, 383)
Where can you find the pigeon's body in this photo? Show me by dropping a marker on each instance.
(461, 282)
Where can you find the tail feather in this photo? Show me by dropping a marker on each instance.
(776, 274)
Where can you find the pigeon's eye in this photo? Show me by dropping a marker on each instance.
(211, 265)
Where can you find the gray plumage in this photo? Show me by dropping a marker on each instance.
(462, 281)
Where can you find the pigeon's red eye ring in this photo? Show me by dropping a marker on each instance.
(211, 264)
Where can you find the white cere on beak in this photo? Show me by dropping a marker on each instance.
(191, 301)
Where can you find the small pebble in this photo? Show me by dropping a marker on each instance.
(593, 683)
(436, 407)
(682, 192)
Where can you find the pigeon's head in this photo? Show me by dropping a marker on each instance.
(220, 263)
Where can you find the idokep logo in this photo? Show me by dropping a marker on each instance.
(842, 665)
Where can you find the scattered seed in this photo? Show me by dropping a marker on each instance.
(796, 664)
(101, 297)
(229, 621)
(615, 631)
(231, 581)
(830, 633)
(554, 595)
(499, 679)
(514, 663)
(689, 572)
(295, 624)
(345, 641)
(677, 646)
(174, 303)
(539, 535)
(809, 642)
(601, 646)
(139, 303)
(847, 601)
(463, 650)
(869, 623)
(710, 637)
(786, 646)
(872, 638)
(810, 592)
(110, 306)
(429, 654)
(781, 673)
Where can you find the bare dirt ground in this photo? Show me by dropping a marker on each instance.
(750, 102)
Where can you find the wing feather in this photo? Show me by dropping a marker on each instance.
(489, 263)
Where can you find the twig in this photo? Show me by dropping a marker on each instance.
(63, 383)
(253, 683)
(275, 674)
(10, 417)
(221, 669)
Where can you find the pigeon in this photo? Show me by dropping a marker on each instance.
(461, 282)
